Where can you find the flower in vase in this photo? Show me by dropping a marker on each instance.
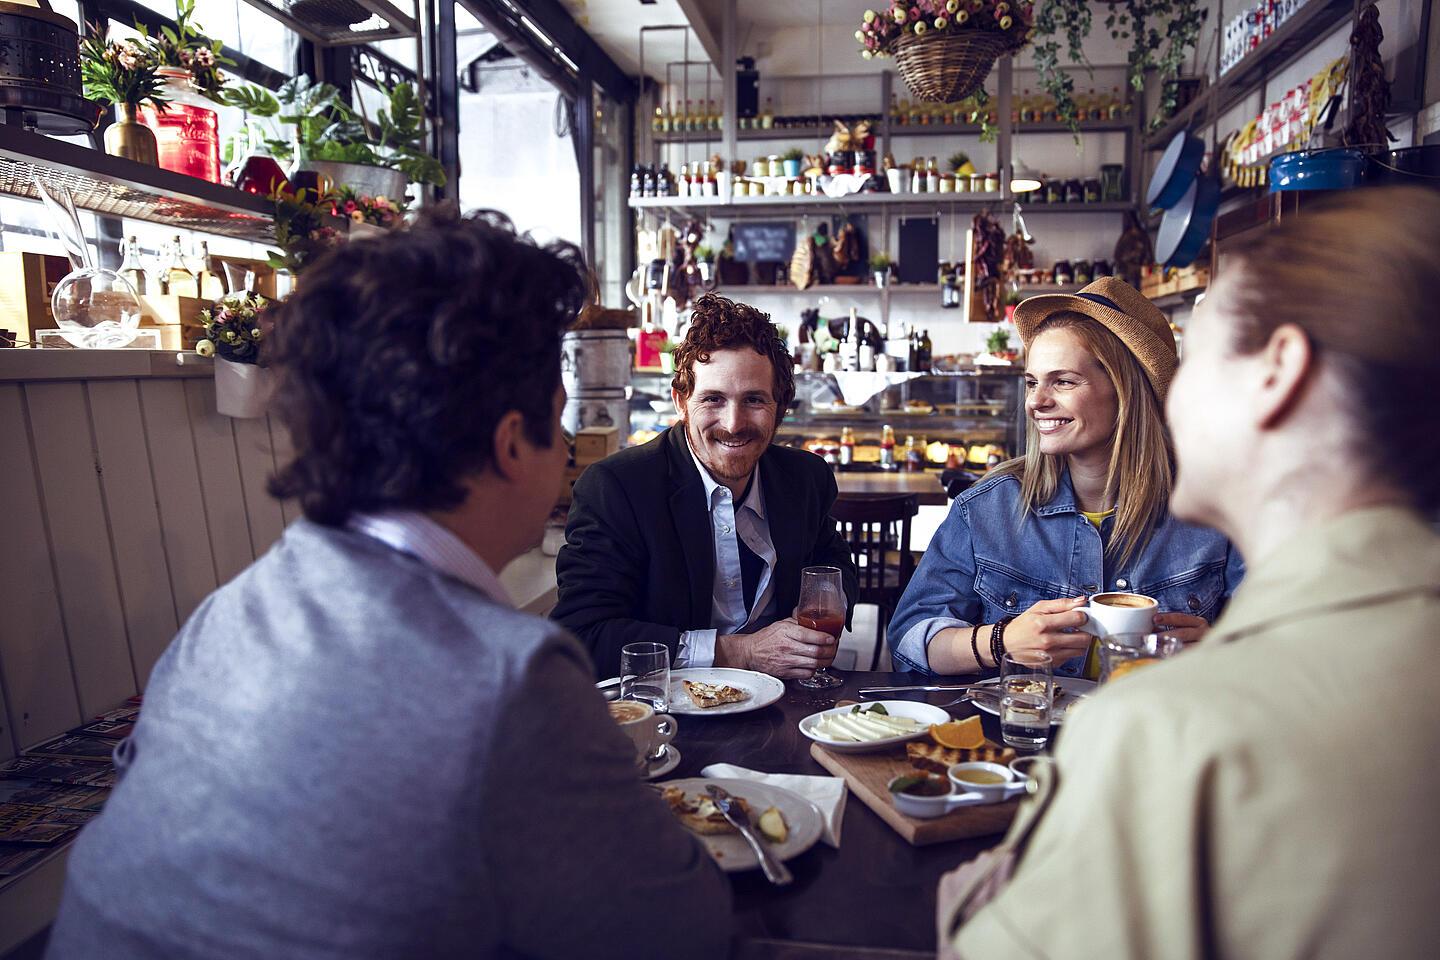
(205, 348)
(204, 57)
(357, 216)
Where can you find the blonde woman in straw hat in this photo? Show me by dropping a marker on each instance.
(1082, 512)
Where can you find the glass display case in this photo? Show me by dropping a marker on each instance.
(979, 410)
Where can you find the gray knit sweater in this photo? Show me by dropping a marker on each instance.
(346, 754)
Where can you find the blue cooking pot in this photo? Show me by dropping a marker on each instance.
(1337, 169)
(1186, 226)
(1178, 167)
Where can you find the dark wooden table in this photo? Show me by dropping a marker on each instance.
(875, 890)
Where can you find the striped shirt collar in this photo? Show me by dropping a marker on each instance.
(412, 532)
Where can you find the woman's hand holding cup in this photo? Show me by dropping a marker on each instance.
(1185, 627)
(1050, 626)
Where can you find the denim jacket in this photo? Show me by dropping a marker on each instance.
(987, 562)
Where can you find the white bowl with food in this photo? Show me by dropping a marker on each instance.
(865, 727)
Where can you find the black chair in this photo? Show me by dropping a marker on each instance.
(877, 527)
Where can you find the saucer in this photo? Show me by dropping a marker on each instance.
(667, 763)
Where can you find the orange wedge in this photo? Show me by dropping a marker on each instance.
(964, 734)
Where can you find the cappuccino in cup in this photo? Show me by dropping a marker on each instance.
(1110, 613)
(647, 730)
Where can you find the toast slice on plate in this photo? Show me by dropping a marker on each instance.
(699, 813)
(706, 695)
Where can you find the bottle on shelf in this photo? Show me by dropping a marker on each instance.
(847, 447)
(767, 118)
(927, 355)
(130, 266)
(887, 447)
(648, 185)
(657, 122)
(712, 183)
(1027, 107)
(914, 456)
(712, 116)
(917, 175)
(209, 280)
(177, 279)
(1116, 106)
(894, 111)
(636, 190)
(932, 177)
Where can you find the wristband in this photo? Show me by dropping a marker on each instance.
(974, 649)
(997, 640)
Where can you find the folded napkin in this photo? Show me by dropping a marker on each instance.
(827, 793)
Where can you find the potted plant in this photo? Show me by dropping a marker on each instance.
(368, 216)
(944, 49)
(301, 231)
(667, 356)
(880, 264)
(998, 344)
(233, 334)
(792, 160)
(123, 73)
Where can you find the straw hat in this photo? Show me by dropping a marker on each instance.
(1122, 310)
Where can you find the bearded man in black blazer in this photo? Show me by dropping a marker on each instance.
(697, 538)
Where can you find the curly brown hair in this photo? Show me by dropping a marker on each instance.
(397, 357)
(718, 323)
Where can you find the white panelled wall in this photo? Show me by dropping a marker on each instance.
(126, 500)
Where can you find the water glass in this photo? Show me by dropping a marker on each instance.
(645, 674)
(1027, 692)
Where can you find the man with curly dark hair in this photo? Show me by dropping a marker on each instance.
(357, 747)
(697, 538)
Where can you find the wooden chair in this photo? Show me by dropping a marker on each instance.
(877, 527)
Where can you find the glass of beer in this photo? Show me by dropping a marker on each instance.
(822, 607)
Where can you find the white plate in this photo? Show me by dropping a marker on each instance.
(730, 850)
(1072, 691)
(923, 712)
(762, 688)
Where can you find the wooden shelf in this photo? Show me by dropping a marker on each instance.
(117, 187)
(1294, 37)
(1178, 299)
(901, 130)
(823, 204)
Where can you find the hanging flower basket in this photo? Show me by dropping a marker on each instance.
(947, 67)
(242, 390)
(945, 49)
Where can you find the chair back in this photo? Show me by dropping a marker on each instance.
(877, 527)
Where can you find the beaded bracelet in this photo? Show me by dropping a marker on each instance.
(974, 649)
(997, 640)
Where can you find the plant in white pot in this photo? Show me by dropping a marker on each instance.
(880, 266)
(233, 334)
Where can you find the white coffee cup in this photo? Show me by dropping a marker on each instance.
(1107, 614)
(647, 730)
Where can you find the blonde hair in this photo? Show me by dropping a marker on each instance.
(1142, 461)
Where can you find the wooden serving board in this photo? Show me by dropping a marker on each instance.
(868, 773)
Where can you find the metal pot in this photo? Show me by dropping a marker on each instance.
(1338, 169)
(1176, 171)
(1186, 226)
(363, 179)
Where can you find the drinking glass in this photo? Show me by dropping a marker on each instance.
(645, 674)
(1124, 652)
(1027, 690)
(822, 607)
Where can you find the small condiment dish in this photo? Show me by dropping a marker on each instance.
(990, 782)
(1024, 767)
(925, 807)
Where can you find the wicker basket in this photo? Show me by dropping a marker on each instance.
(947, 67)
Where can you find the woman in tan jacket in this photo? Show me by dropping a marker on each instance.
(1271, 793)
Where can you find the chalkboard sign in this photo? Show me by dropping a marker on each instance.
(762, 242)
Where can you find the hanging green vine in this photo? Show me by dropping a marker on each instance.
(1161, 34)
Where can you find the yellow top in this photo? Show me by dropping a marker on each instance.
(1096, 518)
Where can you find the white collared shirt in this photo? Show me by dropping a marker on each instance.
(727, 607)
(412, 532)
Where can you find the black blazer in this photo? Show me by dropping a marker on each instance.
(639, 562)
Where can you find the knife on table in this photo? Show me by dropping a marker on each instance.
(941, 688)
(775, 871)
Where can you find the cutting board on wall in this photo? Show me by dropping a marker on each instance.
(868, 773)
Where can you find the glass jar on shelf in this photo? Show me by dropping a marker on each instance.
(187, 131)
